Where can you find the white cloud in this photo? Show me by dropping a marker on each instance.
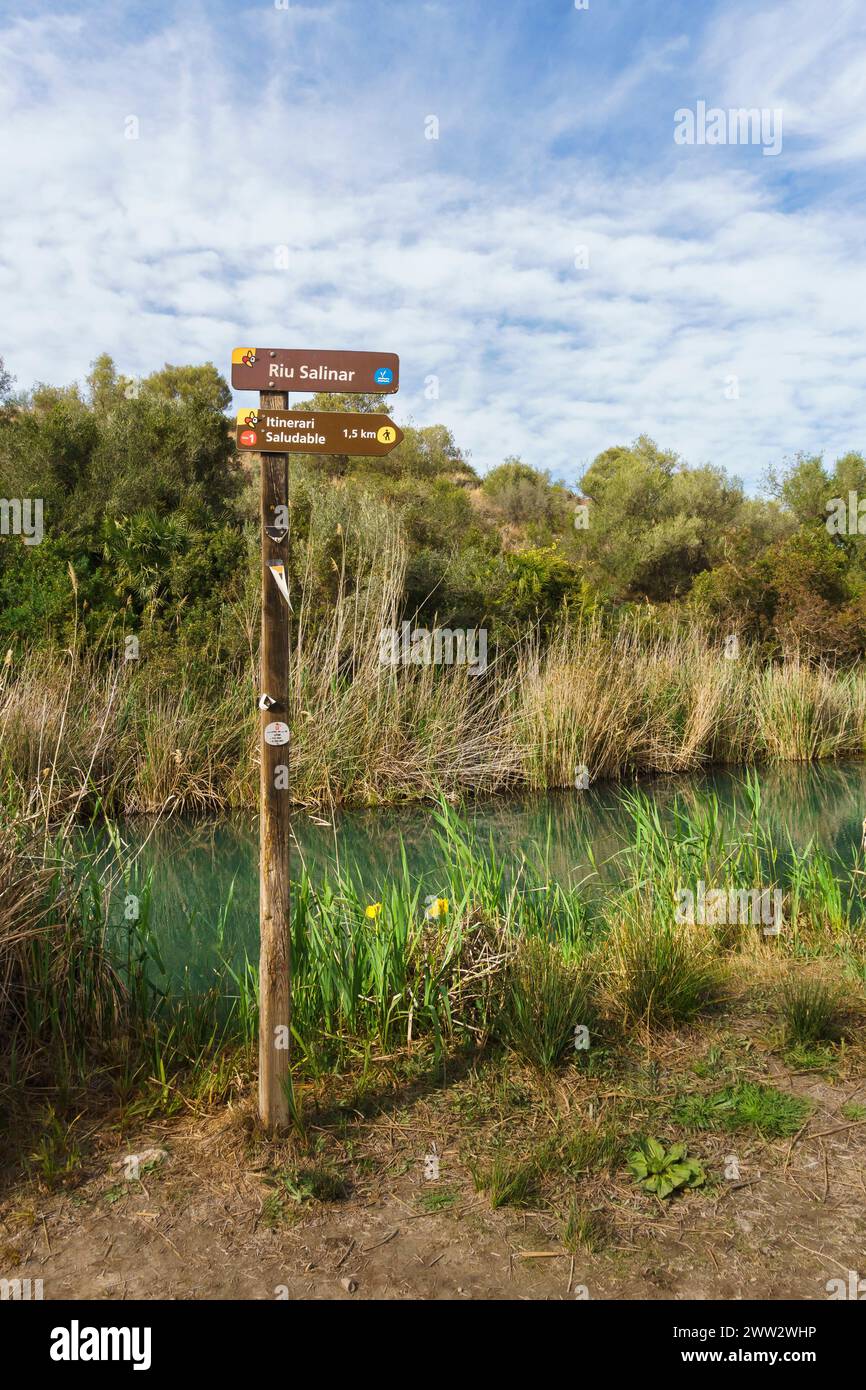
(807, 60)
(162, 248)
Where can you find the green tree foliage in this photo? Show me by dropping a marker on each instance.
(799, 594)
(522, 496)
(655, 523)
(151, 525)
(804, 489)
(133, 477)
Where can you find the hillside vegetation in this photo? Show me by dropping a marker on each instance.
(608, 641)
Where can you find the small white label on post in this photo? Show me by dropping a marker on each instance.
(277, 733)
(279, 575)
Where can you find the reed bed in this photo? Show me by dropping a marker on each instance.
(74, 729)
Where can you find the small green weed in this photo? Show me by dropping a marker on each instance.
(437, 1199)
(663, 1171)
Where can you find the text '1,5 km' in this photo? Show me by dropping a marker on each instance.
(315, 432)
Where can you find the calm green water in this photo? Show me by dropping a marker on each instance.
(204, 875)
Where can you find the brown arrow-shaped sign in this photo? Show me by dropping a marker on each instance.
(265, 431)
(314, 369)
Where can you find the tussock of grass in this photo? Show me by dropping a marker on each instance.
(810, 1008)
(507, 1180)
(590, 1149)
(660, 972)
(545, 997)
(584, 1230)
(805, 712)
(63, 998)
(811, 1057)
(58, 1155)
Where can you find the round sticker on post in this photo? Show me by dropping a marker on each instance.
(277, 732)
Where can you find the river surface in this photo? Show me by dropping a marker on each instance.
(203, 875)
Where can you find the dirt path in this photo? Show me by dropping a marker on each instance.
(197, 1226)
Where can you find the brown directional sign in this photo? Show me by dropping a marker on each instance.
(266, 431)
(305, 369)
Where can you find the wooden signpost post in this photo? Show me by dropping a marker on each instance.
(274, 800)
(274, 432)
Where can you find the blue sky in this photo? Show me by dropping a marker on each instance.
(562, 272)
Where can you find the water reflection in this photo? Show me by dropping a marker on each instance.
(205, 874)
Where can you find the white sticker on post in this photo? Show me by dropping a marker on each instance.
(277, 733)
(279, 576)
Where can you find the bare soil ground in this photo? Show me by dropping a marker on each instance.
(213, 1219)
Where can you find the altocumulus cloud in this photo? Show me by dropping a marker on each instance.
(460, 253)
